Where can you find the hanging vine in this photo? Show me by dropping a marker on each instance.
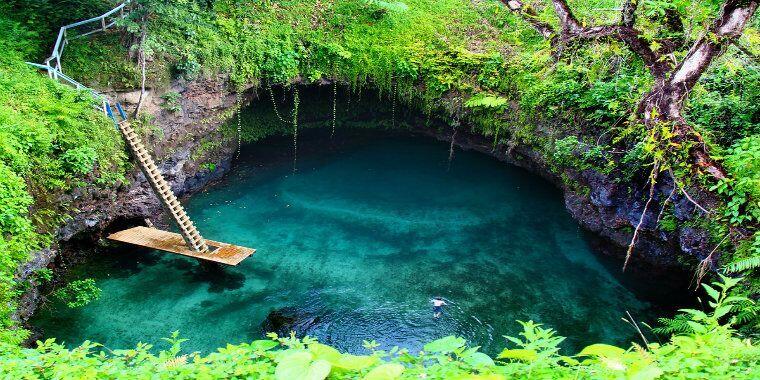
(394, 89)
(274, 105)
(295, 128)
(238, 103)
(335, 108)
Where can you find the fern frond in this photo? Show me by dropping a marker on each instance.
(743, 265)
(748, 313)
(676, 325)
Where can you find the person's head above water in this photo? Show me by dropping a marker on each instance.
(439, 298)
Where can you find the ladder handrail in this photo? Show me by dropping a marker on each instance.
(157, 182)
(60, 42)
(56, 72)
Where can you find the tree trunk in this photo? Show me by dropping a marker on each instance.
(662, 107)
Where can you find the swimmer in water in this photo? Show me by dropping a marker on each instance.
(438, 304)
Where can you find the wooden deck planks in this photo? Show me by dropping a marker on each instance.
(172, 242)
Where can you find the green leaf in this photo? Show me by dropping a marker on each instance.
(263, 345)
(445, 345)
(388, 371)
(649, 372)
(697, 314)
(478, 359)
(697, 327)
(293, 365)
(714, 294)
(318, 370)
(354, 362)
(569, 361)
(721, 311)
(522, 354)
(325, 352)
(298, 365)
(604, 350)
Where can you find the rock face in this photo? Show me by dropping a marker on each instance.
(612, 209)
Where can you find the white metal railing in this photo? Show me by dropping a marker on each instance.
(85, 27)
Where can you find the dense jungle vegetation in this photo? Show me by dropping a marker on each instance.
(521, 73)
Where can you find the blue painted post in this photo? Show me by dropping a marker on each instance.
(109, 111)
(121, 111)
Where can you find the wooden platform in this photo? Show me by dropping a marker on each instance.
(171, 242)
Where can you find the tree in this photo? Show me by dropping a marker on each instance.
(660, 110)
(673, 80)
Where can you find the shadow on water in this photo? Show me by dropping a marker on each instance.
(353, 247)
(218, 278)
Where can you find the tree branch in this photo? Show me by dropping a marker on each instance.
(571, 29)
(725, 30)
(633, 39)
(628, 13)
(567, 20)
(529, 15)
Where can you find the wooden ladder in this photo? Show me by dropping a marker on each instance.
(188, 231)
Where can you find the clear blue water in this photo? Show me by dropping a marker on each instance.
(353, 247)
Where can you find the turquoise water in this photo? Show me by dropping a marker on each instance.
(353, 246)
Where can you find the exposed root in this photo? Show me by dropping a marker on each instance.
(652, 183)
(704, 266)
(675, 181)
(453, 141)
(665, 204)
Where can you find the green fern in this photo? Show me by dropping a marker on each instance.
(488, 101)
(747, 314)
(674, 326)
(743, 265)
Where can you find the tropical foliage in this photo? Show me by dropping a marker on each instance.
(709, 349)
(473, 59)
(51, 142)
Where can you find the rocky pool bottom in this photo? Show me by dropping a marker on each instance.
(352, 247)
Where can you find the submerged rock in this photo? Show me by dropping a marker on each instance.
(283, 321)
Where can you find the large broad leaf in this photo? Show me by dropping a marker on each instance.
(263, 345)
(445, 345)
(292, 365)
(324, 352)
(318, 370)
(649, 372)
(388, 371)
(299, 366)
(354, 363)
(519, 354)
(478, 359)
(602, 350)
